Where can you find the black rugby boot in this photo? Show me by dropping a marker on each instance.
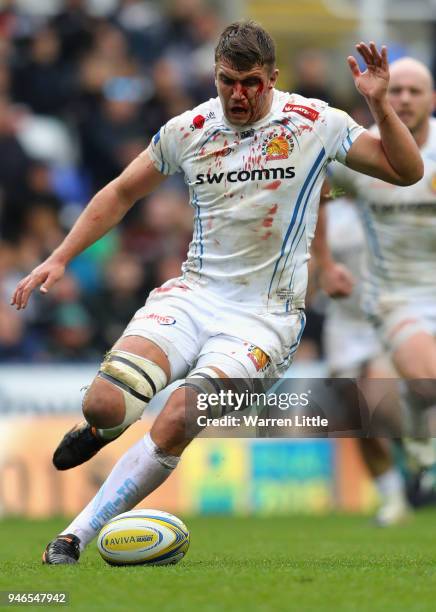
(62, 550)
(77, 446)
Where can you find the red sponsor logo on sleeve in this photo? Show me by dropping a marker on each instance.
(304, 111)
(198, 122)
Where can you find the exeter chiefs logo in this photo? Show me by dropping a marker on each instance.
(277, 146)
(258, 357)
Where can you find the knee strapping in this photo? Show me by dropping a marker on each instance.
(139, 379)
(207, 381)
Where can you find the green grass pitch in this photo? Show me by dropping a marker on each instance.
(338, 563)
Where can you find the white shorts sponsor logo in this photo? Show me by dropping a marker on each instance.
(161, 319)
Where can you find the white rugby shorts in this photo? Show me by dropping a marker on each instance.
(349, 345)
(397, 322)
(197, 328)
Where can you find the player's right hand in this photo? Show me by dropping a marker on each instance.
(46, 275)
(336, 280)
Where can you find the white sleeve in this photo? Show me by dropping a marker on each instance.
(342, 178)
(164, 149)
(342, 131)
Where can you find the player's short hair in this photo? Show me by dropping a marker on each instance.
(244, 44)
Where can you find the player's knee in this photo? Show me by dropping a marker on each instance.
(423, 391)
(416, 370)
(103, 405)
(133, 380)
(428, 372)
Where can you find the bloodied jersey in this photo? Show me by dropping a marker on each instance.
(255, 190)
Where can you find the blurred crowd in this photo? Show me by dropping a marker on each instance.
(81, 94)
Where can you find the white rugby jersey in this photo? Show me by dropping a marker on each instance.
(349, 339)
(400, 228)
(346, 240)
(255, 190)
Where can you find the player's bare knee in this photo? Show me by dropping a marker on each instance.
(423, 389)
(417, 369)
(103, 405)
(421, 345)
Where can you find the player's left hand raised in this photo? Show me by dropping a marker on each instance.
(373, 82)
(336, 280)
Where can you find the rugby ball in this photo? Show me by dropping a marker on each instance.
(143, 537)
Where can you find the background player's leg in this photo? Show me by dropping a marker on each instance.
(415, 356)
(376, 454)
(415, 360)
(378, 458)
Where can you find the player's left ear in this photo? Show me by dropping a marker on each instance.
(273, 78)
(434, 102)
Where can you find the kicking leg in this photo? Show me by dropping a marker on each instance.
(141, 470)
(131, 374)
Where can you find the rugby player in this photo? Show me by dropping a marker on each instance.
(354, 351)
(254, 159)
(399, 288)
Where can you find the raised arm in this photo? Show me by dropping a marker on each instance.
(104, 211)
(394, 156)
